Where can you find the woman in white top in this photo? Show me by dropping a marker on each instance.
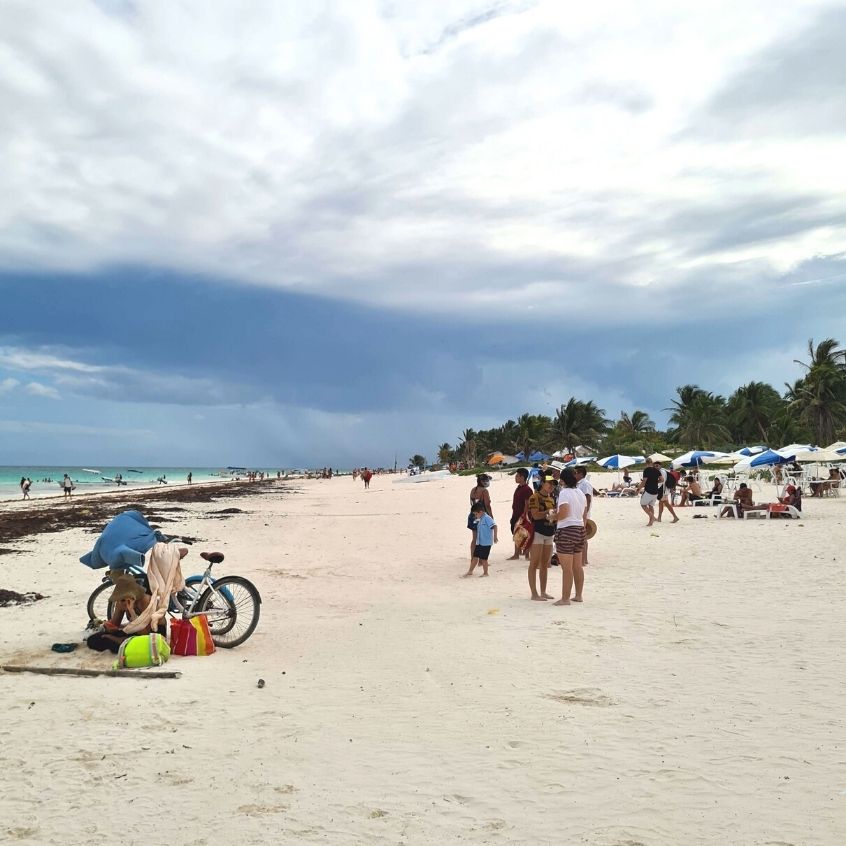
(570, 536)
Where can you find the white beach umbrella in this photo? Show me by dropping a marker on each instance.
(659, 456)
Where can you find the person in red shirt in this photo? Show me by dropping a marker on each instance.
(518, 504)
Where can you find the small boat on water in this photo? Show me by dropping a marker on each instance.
(134, 471)
(86, 470)
(115, 481)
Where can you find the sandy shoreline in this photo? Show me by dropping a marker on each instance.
(695, 698)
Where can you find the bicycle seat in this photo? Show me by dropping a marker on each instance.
(212, 557)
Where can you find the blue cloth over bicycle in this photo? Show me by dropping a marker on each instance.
(123, 543)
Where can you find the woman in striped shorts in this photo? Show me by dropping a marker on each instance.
(570, 537)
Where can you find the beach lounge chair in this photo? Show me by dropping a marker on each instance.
(779, 509)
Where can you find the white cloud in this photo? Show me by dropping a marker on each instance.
(36, 389)
(8, 385)
(401, 154)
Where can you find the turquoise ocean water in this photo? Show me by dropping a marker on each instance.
(45, 480)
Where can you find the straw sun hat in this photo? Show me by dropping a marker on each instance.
(590, 529)
(126, 588)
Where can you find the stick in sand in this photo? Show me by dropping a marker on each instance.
(74, 671)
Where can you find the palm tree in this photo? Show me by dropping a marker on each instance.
(638, 423)
(751, 410)
(703, 422)
(417, 460)
(681, 407)
(468, 447)
(577, 423)
(529, 433)
(444, 453)
(819, 397)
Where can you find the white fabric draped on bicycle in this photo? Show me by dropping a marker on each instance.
(164, 574)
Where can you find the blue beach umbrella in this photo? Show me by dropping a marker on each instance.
(769, 458)
(751, 450)
(698, 456)
(618, 462)
(539, 456)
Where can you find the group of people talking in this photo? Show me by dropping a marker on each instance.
(555, 513)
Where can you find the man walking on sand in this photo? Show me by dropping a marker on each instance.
(649, 484)
(366, 475)
(518, 504)
(667, 490)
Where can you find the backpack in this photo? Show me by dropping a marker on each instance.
(670, 481)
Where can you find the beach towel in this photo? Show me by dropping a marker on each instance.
(165, 576)
(122, 543)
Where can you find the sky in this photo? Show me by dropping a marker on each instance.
(287, 234)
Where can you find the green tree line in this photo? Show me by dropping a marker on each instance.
(812, 409)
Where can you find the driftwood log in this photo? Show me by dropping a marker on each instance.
(79, 671)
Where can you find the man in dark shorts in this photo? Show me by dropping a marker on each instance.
(650, 483)
(518, 504)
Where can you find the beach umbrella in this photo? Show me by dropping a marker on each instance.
(819, 456)
(837, 446)
(791, 449)
(659, 456)
(539, 456)
(750, 450)
(618, 462)
(768, 458)
(509, 459)
(580, 462)
(494, 458)
(698, 456)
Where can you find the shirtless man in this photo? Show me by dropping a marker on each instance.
(692, 492)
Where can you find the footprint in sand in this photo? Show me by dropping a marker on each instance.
(286, 788)
(582, 696)
(259, 810)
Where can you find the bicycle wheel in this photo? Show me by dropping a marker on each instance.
(99, 607)
(232, 605)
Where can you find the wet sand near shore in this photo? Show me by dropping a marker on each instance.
(22, 519)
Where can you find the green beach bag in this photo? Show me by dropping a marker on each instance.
(149, 650)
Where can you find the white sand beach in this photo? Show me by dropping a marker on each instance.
(696, 697)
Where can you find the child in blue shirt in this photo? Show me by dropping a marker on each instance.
(485, 538)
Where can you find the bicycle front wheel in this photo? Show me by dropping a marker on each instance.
(232, 606)
(99, 607)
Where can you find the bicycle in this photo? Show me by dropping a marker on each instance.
(232, 604)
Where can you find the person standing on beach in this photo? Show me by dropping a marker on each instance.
(366, 476)
(570, 536)
(486, 537)
(650, 483)
(667, 490)
(541, 507)
(190, 476)
(518, 504)
(26, 484)
(67, 486)
(478, 494)
(587, 489)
